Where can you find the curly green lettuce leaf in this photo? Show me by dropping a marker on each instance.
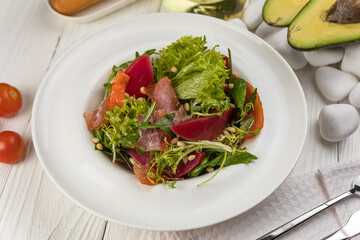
(197, 74)
(180, 54)
(123, 128)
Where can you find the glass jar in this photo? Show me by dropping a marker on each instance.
(225, 9)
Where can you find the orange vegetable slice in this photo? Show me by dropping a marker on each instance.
(257, 112)
(117, 93)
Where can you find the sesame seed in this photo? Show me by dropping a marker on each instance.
(191, 157)
(209, 169)
(181, 144)
(127, 95)
(174, 140)
(95, 140)
(99, 146)
(140, 99)
(231, 85)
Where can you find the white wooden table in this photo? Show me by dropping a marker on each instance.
(31, 207)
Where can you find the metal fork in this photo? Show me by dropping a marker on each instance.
(351, 229)
(355, 190)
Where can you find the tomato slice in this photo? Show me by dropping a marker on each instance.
(117, 93)
(257, 112)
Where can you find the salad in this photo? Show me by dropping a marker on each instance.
(176, 114)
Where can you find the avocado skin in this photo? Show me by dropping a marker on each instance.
(333, 45)
(327, 35)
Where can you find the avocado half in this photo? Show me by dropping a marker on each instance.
(281, 12)
(325, 23)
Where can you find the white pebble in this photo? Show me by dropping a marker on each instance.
(351, 60)
(238, 22)
(265, 29)
(334, 84)
(338, 121)
(354, 96)
(252, 15)
(278, 40)
(323, 57)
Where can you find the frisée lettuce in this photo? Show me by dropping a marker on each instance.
(197, 75)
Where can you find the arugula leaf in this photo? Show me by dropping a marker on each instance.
(238, 93)
(215, 159)
(149, 113)
(246, 124)
(240, 157)
(163, 123)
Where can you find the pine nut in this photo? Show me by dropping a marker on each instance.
(225, 86)
(231, 105)
(231, 129)
(127, 95)
(132, 161)
(99, 146)
(173, 69)
(174, 140)
(209, 169)
(230, 85)
(140, 99)
(226, 133)
(181, 144)
(152, 175)
(95, 140)
(187, 107)
(142, 90)
(191, 157)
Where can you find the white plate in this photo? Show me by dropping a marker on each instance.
(74, 85)
(93, 12)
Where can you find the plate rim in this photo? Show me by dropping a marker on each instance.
(159, 228)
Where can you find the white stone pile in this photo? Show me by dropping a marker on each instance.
(336, 121)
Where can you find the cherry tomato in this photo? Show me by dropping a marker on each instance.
(12, 147)
(10, 100)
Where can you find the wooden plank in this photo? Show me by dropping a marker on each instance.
(31, 207)
(27, 47)
(114, 230)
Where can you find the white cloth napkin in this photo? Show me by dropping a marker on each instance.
(295, 196)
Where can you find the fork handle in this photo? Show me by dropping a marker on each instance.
(302, 218)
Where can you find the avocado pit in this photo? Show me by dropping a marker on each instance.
(344, 11)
